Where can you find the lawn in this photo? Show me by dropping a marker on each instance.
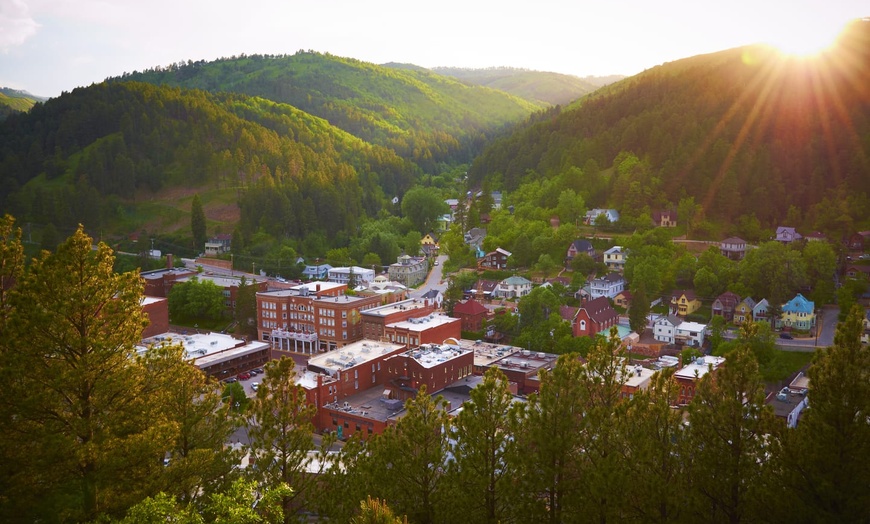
(784, 363)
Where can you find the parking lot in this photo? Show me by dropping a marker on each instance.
(249, 380)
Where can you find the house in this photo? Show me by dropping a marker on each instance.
(856, 270)
(733, 248)
(690, 334)
(218, 244)
(452, 203)
(318, 272)
(725, 304)
(688, 376)
(475, 236)
(799, 313)
(472, 314)
(593, 317)
(614, 258)
(484, 289)
(608, 286)
(496, 200)
(495, 260)
(759, 312)
(665, 329)
(514, 287)
(429, 240)
(611, 215)
(409, 271)
(787, 235)
(857, 241)
(743, 311)
(816, 236)
(684, 302)
(434, 298)
(580, 246)
(444, 222)
(623, 299)
(667, 218)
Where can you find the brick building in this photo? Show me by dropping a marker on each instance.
(374, 320)
(688, 376)
(157, 309)
(591, 318)
(472, 313)
(431, 329)
(310, 318)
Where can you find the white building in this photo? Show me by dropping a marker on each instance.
(513, 287)
(608, 286)
(691, 333)
(665, 329)
(342, 275)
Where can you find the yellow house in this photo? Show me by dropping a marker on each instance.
(684, 302)
(429, 240)
(799, 313)
(743, 311)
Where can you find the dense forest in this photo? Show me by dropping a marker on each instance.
(423, 117)
(745, 132)
(550, 88)
(94, 430)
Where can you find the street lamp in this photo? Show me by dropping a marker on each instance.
(232, 265)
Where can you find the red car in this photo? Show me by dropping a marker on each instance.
(243, 376)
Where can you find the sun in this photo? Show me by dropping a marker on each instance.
(805, 40)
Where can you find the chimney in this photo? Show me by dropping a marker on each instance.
(318, 288)
(168, 260)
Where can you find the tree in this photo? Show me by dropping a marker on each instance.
(196, 299)
(49, 237)
(689, 213)
(373, 511)
(483, 446)
(11, 263)
(280, 430)
(729, 425)
(638, 311)
(245, 312)
(405, 464)
(826, 461)
(423, 206)
(86, 406)
(197, 223)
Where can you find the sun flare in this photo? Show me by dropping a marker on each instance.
(806, 41)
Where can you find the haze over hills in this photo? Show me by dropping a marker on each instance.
(746, 132)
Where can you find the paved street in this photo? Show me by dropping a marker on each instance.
(433, 281)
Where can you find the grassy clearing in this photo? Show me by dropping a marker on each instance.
(784, 363)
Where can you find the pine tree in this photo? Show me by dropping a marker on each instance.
(826, 462)
(245, 311)
(482, 472)
(280, 428)
(85, 406)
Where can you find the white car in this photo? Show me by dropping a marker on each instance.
(255, 386)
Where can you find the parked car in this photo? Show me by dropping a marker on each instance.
(255, 386)
(257, 371)
(786, 336)
(243, 376)
(230, 380)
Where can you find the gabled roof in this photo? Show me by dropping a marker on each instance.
(582, 245)
(610, 278)
(484, 285)
(469, 307)
(432, 293)
(690, 294)
(733, 240)
(728, 299)
(673, 320)
(613, 250)
(799, 304)
(599, 310)
(761, 304)
(502, 251)
(749, 301)
(568, 313)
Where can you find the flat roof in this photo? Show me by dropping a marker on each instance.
(691, 326)
(431, 355)
(526, 360)
(430, 321)
(309, 288)
(355, 354)
(395, 307)
(146, 300)
(638, 376)
(699, 367)
(308, 379)
(204, 348)
(486, 353)
(220, 280)
(159, 273)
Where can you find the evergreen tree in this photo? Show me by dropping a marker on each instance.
(86, 408)
(482, 473)
(638, 311)
(246, 309)
(729, 425)
(280, 428)
(405, 464)
(826, 465)
(197, 223)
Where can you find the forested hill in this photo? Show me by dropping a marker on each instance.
(744, 132)
(538, 86)
(75, 158)
(423, 117)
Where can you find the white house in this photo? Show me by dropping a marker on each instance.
(608, 286)
(316, 272)
(342, 275)
(690, 333)
(513, 287)
(612, 215)
(665, 329)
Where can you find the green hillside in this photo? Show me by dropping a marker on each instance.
(423, 117)
(15, 101)
(535, 86)
(748, 133)
(104, 154)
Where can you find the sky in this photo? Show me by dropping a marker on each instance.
(51, 46)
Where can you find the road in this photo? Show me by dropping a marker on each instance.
(826, 326)
(435, 280)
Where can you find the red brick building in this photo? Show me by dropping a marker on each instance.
(434, 366)
(374, 320)
(591, 318)
(688, 376)
(157, 309)
(417, 331)
(494, 260)
(472, 314)
(311, 318)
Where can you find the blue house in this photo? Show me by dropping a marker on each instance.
(799, 313)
